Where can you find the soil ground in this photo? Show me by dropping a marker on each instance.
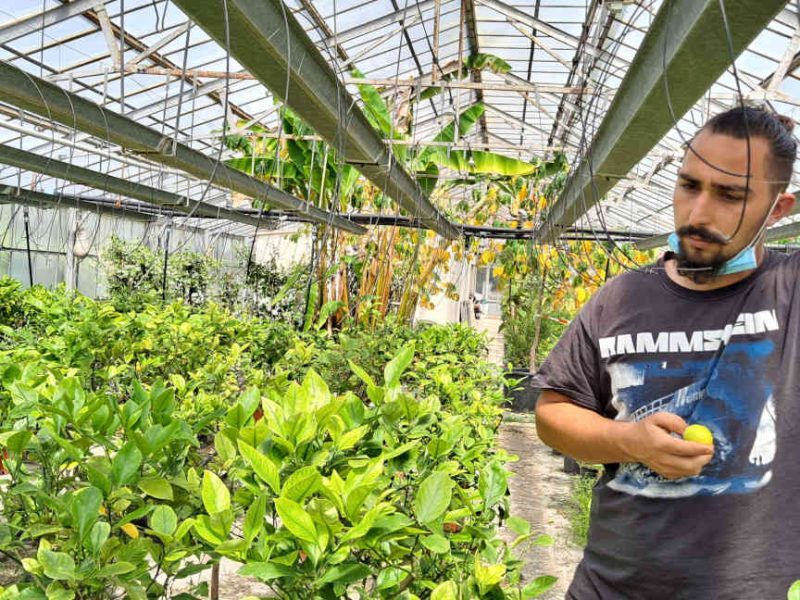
(540, 493)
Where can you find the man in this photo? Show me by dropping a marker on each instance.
(708, 335)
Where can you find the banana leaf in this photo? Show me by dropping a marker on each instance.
(478, 62)
(490, 162)
(376, 109)
(466, 121)
(428, 178)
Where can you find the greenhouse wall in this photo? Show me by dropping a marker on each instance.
(50, 231)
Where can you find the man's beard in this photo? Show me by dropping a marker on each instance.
(699, 271)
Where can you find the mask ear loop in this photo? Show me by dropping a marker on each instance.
(763, 227)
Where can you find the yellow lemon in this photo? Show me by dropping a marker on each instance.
(698, 433)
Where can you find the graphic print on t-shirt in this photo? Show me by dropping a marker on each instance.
(731, 395)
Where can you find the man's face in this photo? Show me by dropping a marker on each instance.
(708, 201)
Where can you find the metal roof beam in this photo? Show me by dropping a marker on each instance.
(101, 181)
(554, 32)
(35, 22)
(286, 60)
(379, 23)
(32, 93)
(130, 209)
(638, 116)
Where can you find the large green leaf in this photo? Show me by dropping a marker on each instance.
(56, 565)
(216, 497)
(125, 465)
(433, 497)
(438, 544)
(262, 465)
(345, 573)
(397, 366)
(98, 535)
(466, 121)
(296, 519)
(301, 483)
(163, 520)
(538, 586)
(446, 590)
(254, 520)
(492, 484)
(794, 591)
(85, 508)
(497, 164)
(266, 571)
(375, 107)
(157, 487)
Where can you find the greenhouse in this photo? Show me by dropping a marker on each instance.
(399, 299)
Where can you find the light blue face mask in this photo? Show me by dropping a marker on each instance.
(743, 261)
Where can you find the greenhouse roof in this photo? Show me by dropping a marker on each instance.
(567, 59)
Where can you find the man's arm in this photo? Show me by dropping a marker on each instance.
(590, 437)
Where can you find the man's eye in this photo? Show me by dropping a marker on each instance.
(688, 186)
(733, 197)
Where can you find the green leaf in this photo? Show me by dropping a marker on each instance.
(395, 367)
(518, 525)
(497, 164)
(157, 487)
(302, 483)
(345, 573)
(224, 447)
(216, 496)
(492, 484)
(447, 590)
(125, 465)
(488, 576)
(254, 520)
(18, 440)
(98, 535)
(794, 591)
(374, 106)
(466, 121)
(117, 568)
(538, 586)
(184, 528)
(352, 437)
(296, 520)
(262, 465)
(437, 544)
(56, 565)
(163, 520)
(433, 497)
(85, 509)
(266, 571)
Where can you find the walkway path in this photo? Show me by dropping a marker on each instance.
(540, 494)
(540, 490)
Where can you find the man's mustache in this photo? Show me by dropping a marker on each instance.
(701, 233)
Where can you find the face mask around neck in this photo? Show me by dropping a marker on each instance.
(744, 261)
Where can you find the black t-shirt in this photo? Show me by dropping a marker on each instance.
(727, 359)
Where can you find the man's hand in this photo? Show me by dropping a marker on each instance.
(650, 442)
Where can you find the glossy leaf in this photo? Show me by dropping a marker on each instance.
(296, 519)
(433, 497)
(216, 497)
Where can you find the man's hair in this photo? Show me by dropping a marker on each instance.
(757, 122)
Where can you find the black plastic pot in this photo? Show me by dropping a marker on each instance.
(522, 396)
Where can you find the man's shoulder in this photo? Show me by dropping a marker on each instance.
(629, 280)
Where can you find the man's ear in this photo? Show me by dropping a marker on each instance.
(783, 207)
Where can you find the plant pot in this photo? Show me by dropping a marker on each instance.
(522, 396)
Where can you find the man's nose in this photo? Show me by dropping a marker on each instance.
(703, 207)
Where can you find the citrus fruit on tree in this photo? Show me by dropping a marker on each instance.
(698, 433)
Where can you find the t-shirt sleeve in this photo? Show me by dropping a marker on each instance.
(573, 366)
